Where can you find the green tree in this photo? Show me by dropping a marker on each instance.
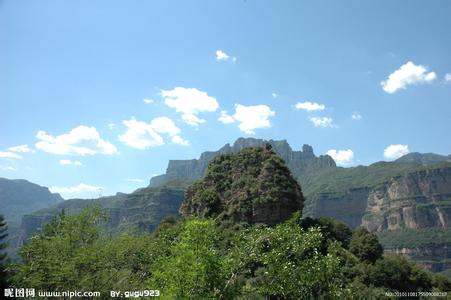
(396, 273)
(3, 271)
(195, 268)
(286, 262)
(365, 245)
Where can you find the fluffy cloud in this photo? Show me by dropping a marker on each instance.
(356, 116)
(221, 55)
(310, 106)
(190, 102)
(8, 154)
(148, 101)
(12, 152)
(142, 135)
(20, 149)
(69, 162)
(71, 191)
(252, 117)
(341, 157)
(396, 151)
(322, 122)
(226, 118)
(448, 77)
(82, 140)
(407, 74)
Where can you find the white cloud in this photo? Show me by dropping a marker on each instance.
(396, 151)
(221, 55)
(310, 106)
(142, 135)
(76, 190)
(148, 101)
(226, 118)
(70, 162)
(137, 180)
(322, 122)
(274, 95)
(356, 116)
(448, 77)
(8, 154)
(407, 74)
(82, 140)
(252, 117)
(20, 149)
(190, 102)
(176, 139)
(111, 126)
(341, 157)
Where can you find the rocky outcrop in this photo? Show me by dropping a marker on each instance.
(434, 259)
(252, 186)
(349, 207)
(417, 200)
(297, 161)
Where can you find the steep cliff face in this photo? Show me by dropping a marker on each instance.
(411, 212)
(417, 200)
(348, 207)
(297, 161)
(144, 208)
(252, 185)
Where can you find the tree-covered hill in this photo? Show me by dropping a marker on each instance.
(252, 186)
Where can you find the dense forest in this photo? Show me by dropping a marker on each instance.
(241, 235)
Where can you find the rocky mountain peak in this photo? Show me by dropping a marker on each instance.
(297, 161)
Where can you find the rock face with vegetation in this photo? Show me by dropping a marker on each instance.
(252, 186)
(419, 199)
(143, 209)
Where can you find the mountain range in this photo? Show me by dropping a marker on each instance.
(407, 202)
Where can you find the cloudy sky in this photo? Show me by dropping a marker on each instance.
(97, 96)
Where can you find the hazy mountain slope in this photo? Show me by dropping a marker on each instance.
(423, 158)
(144, 208)
(19, 197)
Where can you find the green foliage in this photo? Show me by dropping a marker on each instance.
(242, 185)
(396, 273)
(3, 271)
(365, 245)
(71, 254)
(286, 262)
(332, 229)
(415, 238)
(194, 268)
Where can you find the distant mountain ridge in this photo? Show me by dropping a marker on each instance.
(19, 197)
(424, 159)
(194, 169)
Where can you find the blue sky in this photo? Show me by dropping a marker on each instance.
(74, 76)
